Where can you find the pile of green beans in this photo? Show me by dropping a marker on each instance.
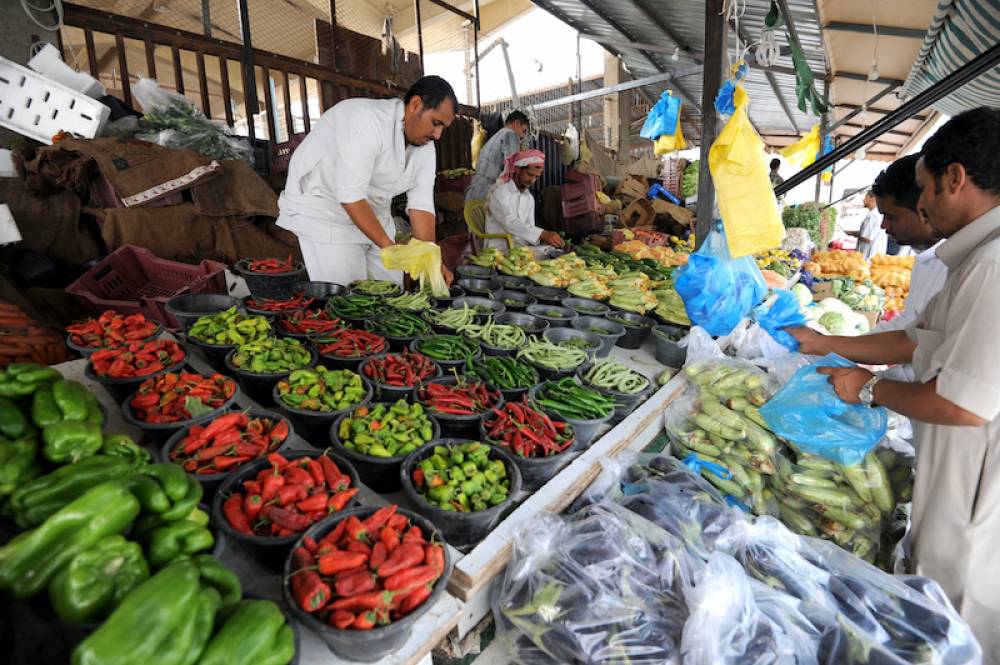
(569, 399)
(576, 343)
(447, 347)
(375, 287)
(355, 307)
(612, 375)
(411, 302)
(556, 357)
(504, 372)
(497, 335)
(453, 318)
(397, 323)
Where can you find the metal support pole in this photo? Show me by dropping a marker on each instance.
(249, 78)
(967, 72)
(420, 34)
(206, 17)
(475, 47)
(579, 89)
(715, 47)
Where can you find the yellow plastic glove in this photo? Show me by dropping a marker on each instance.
(421, 260)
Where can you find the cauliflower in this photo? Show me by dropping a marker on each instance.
(834, 322)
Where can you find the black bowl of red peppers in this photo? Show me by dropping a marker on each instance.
(307, 323)
(272, 307)
(120, 371)
(394, 375)
(213, 450)
(347, 348)
(270, 277)
(541, 445)
(458, 403)
(171, 401)
(363, 580)
(110, 330)
(279, 497)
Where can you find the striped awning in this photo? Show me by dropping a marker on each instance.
(959, 31)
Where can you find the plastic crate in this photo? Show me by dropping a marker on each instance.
(591, 222)
(134, 280)
(39, 108)
(591, 179)
(582, 206)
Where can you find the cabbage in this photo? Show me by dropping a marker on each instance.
(834, 305)
(834, 322)
(802, 294)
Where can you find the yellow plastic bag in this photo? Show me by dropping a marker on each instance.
(478, 141)
(746, 198)
(803, 152)
(667, 144)
(421, 260)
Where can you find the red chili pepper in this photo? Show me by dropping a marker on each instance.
(341, 619)
(378, 519)
(355, 583)
(297, 301)
(226, 463)
(286, 519)
(291, 494)
(355, 529)
(415, 599)
(334, 536)
(411, 578)
(270, 486)
(335, 480)
(407, 555)
(271, 265)
(365, 621)
(232, 508)
(390, 539)
(371, 600)
(340, 499)
(339, 561)
(296, 475)
(398, 522)
(414, 536)
(316, 471)
(309, 590)
(379, 555)
(111, 330)
(313, 503)
(434, 557)
(360, 547)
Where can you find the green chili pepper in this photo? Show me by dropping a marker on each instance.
(95, 581)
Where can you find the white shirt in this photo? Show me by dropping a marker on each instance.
(929, 276)
(871, 228)
(509, 210)
(355, 152)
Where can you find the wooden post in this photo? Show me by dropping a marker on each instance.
(715, 47)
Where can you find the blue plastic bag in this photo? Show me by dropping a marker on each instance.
(662, 118)
(718, 291)
(808, 413)
(779, 311)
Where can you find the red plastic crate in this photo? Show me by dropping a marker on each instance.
(591, 179)
(591, 222)
(133, 280)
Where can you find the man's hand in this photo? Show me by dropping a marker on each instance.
(810, 342)
(552, 238)
(448, 277)
(847, 382)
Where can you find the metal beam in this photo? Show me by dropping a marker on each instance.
(967, 72)
(715, 46)
(855, 107)
(656, 19)
(618, 87)
(921, 130)
(868, 103)
(697, 56)
(790, 22)
(883, 30)
(854, 76)
(455, 10)
(889, 133)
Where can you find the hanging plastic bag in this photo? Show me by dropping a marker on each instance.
(663, 118)
(478, 141)
(828, 146)
(809, 413)
(421, 260)
(803, 152)
(571, 145)
(668, 143)
(746, 198)
(717, 290)
(780, 310)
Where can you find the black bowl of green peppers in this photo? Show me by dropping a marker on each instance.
(493, 493)
(260, 371)
(311, 415)
(378, 451)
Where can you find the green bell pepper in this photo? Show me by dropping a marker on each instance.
(71, 398)
(220, 578)
(31, 559)
(13, 423)
(67, 442)
(183, 491)
(254, 633)
(97, 580)
(65, 400)
(23, 379)
(122, 445)
(94, 413)
(44, 409)
(33, 502)
(17, 464)
(176, 540)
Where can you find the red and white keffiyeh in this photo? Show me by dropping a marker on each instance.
(519, 160)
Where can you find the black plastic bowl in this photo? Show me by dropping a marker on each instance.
(586, 306)
(489, 307)
(314, 425)
(211, 482)
(119, 389)
(384, 393)
(270, 552)
(513, 300)
(536, 471)
(270, 285)
(610, 333)
(339, 362)
(627, 402)
(400, 343)
(514, 282)
(190, 307)
(443, 302)
(514, 394)
(453, 425)
(478, 287)
(472, 271)
(158, 433)
(214, 354)
(557, 335)
(320, 291)
(366, 646)
(85, 351)
(546, 313)
(259, 386)
(530, 324)
(302, 337)
(548, 295)
(447, 366)
(380, 474)
(355, 290)
(668, 352)
(460, 529)
(585, 430)
(636, 329)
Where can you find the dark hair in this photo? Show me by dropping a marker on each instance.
(899, 182)
(971, 139)
(870, 192)
(516, 116)
(775, 163)
(432, 90)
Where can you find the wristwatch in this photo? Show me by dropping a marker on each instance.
(867, 392)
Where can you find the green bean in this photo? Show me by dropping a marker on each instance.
(454, 317)
(397, 323)
(497, 335)
(576, 343)
(544, 353)
(355, 307)
(504, 372)
(569, 399)
(447, 347)
(612, 375)
(375, 287)
(411, 302)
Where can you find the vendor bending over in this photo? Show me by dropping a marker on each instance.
(344, 175)
(510, 206)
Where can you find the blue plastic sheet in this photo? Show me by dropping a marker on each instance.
(662, 118)
(778, 312)
(808, 413)
(719, 291)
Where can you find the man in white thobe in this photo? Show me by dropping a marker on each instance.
(871, 237)
(510, 206)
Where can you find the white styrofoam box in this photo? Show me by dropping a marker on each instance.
(39, 108)
(7, 169)
(49, 63)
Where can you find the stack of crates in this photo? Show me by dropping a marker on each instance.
(581, 210)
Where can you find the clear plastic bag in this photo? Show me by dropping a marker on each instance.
(808, 413)
(780, 310)
(750, 341)
(173, 121)
(700, 345)
(719, 291)
(601, 586)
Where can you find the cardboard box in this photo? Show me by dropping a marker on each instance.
(634, 187)
(682, 215)
(638, 213)
(822, 290)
